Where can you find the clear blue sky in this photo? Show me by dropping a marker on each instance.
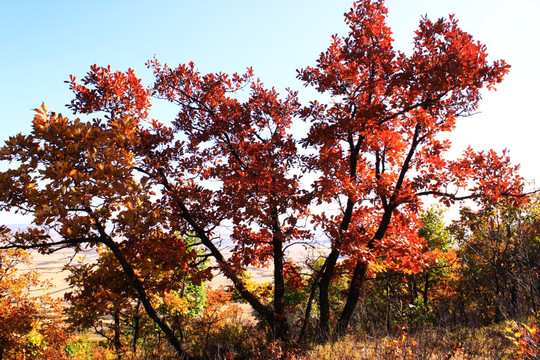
(42, 42)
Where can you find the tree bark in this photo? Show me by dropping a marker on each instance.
(280, 326)
(116, 341)
(324, 293)
(136, 327)
(352, 298)
(358, 277)
(328, 271)
(266, 312)
(143, 297)
(425, 292)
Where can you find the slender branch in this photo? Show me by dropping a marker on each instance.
(448, 195)
(66, 243)
(405, 167)
(233, 151)
(307, 313)
(136, 282)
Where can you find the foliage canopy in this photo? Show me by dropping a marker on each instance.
(230, 168)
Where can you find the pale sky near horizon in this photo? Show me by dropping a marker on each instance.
(43, 42)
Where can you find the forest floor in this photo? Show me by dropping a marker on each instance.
(490, 342)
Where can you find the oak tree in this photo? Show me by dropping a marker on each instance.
(77, 179)
(379, 145)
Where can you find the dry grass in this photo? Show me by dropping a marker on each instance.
(428, 344)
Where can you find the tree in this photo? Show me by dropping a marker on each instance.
(231, 161)
(398, 294)
(99, 290)
(436, 281)
(77, 179)
(30, 325)
(378, 144)
(498, 250)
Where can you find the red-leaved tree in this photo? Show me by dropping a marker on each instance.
(378, 143)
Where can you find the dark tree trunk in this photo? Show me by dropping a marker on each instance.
(280, 324)
(361, 266)
(328, 271)
(324, 293)
(514, 299)
(266, 312)
(352, 298)
(331, 261)
(143, 297)
(136, 327)
(359, 276)
(116, 341)
(413, 286)
(425, 292)
(388, 305)
(307, 314)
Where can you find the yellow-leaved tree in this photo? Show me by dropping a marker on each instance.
(30, 325)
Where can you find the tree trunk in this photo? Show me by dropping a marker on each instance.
(352, 299)
(330, 265)
(359, 275)
(263, 310)
(143, 297)
(280, 324)
(116, 340)
(324, 292)
(514, 299)
(425, 292)
(388, 305)
(307, 314)
(136, 327)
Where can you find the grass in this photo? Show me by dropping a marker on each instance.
(428, 344)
